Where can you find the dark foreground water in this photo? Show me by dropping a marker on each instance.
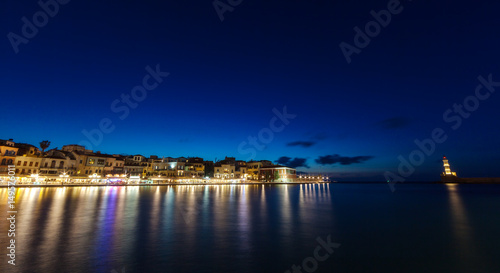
(256, 228)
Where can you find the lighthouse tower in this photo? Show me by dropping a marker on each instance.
(447, 170)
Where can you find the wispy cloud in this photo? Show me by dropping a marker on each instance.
(305, 144)
(342, 160)
(292, 163)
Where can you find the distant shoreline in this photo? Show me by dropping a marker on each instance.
(162, 184)
(251, 183)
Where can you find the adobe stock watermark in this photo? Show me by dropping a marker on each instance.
(223, 6)
(265, 135)
(123, 106)
(320, 254)
(372, 29)
(30, 28)
(11, 212)
(454, 117)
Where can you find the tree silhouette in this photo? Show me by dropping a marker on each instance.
(44, 145)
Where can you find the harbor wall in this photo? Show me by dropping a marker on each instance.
(478, 180)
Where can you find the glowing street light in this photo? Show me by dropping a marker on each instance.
(94, 176)
(64, 176)
(34, 176)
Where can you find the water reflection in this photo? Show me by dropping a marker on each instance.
(461, 227)
(460, 221)
(89, 229)
(244, 221)
(252, 228)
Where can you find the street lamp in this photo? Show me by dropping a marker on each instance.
(64, 176)
(95, 176)
(34, 176)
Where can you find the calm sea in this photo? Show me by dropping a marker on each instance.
(256, 228)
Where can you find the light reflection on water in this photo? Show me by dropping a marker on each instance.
(251, 228)
(461, 225)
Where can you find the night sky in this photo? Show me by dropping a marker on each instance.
(351, 119)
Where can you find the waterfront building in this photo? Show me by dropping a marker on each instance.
(57, 162)
(181, 168)
(195, 167)
(80, 154)
(114, 166)
(27, 149)
(135, 159)
(167, 166)
(266, 163)
(152, 162)
(164, 167)
(169, 159)
(240, 169)
(8, 153)
(181, 159)
(28, 159)
(134, 170)
(95, 163)
(253, 168)
(136, 165)
(75, 147)
(81, 160)
(230, 168)
(278, 173)
(229, 160)
(209, 168)
(27, 164)
(224, 170)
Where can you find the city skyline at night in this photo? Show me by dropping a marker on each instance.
(170, 79)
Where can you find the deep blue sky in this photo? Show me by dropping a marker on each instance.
(226, 77)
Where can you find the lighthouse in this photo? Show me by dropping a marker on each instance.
(451, 177)
(447, 175)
